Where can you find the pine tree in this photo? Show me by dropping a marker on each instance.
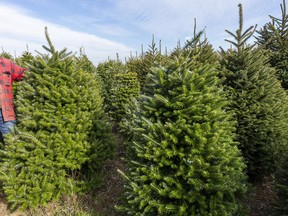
(143, 64)
(126, 86)
(102, 141)
(106, 71)
(259, 102)
(273, 37)
(183, 160)
(58, 106)
(24, 60)
(6, 55)
(281, 205)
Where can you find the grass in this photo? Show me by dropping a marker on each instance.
(68, 206)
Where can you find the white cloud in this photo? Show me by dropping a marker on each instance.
(172, 20)
(19, 30)
(127, 22)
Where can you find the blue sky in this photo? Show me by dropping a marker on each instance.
(106, 27)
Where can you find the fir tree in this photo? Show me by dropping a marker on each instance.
(259, 102)
(106, 71)
(126, 86)
(183, 158)
(102, 142)
(142, 65)
(58, 106)
(118, 86)
(6, 55)
(281, 205)
(273, 37)
(24, 60)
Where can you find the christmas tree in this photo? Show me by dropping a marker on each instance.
(126, 86)
(273, 37)
(183, 159)
(143, 64)
(281, 204)
(106, 71)
(58, 107)
(259, 102)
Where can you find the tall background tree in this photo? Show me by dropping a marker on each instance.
(142, 65)
(126, 86)
(106, 71)
(273, 37)
(281, 204)
(259, 102)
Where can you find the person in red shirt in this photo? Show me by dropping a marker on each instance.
(9, 72)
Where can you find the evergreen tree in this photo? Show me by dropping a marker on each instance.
(58, 106)
(6, 55)
(281, 205)
(259, 102)
(24, 60)
(102, 142)
(183, 158)
(106, 72)
(126, 86)
(118, 86)
(273, 37)
(85, 63)
(142, 65)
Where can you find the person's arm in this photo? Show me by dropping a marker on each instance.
(17, 72)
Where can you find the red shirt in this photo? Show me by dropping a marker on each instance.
(9, 72)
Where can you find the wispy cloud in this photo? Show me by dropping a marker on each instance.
(172, 20)
(22, 30)
(104, 28)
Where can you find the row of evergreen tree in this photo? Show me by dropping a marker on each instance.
(199, 124)
(208, 124)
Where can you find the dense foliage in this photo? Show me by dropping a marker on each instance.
(106, 71)
(259, 102)
(281, 204)
(273, 37)
(183, 158)
(58, 105)
(142, 65)
(126, 86)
